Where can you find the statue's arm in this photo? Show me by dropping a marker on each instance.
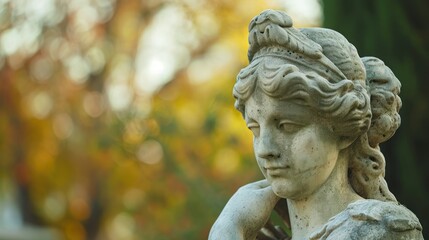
(245, 213)
(225, 228)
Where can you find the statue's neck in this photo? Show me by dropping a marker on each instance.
(311, 213)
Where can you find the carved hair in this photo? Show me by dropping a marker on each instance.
(320, 69)
(368, 167)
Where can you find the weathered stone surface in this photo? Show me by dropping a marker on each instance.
(318, 112)
(371, 219)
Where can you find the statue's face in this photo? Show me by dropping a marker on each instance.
(295, 151)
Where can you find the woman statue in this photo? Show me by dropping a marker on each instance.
(318, 113)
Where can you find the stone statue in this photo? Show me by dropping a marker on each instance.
(318, 113)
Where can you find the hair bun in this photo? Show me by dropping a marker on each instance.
(383, 88)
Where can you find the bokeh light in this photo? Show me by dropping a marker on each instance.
(40, 104)
(150, 152)
(63, 125)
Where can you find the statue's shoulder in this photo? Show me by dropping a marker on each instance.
(372, 219)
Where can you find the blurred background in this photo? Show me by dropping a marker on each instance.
(117, 118)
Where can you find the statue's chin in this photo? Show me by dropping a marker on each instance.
(286, 190)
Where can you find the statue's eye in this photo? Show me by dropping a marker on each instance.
(289, 126)
(254, 127)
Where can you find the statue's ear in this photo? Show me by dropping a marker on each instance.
(345, 142)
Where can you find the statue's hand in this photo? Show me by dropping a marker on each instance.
(245, 213)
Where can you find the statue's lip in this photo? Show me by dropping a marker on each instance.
(276, 167)
(277, 171)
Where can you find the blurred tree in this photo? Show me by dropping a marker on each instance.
(397, 32)
(116, 117)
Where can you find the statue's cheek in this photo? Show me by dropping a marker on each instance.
(304, 150)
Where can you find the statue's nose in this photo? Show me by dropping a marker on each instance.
(267, 148)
